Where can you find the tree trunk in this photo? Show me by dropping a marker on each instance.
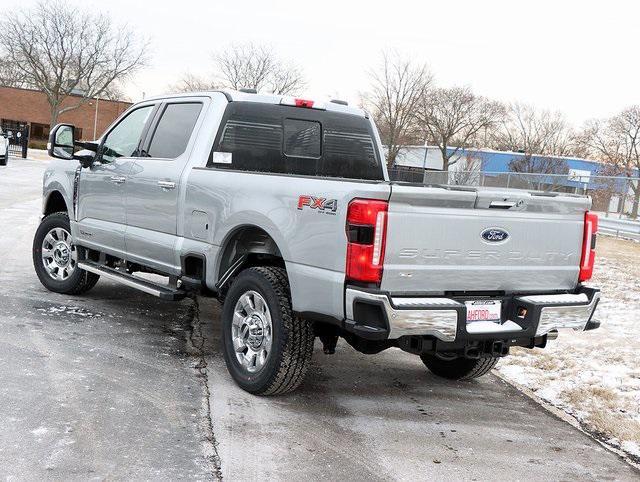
(54, 116)
(391, 155)
(445, 158)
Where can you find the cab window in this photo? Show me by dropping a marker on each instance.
(123, 139)
(174, 130)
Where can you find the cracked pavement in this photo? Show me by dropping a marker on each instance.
(117, 385)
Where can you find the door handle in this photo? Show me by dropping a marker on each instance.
(502, 204)
(118, 179)
(167, 184)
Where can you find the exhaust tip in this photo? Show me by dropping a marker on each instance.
(552, 335)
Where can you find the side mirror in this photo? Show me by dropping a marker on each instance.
(62, 144)
(61, 141)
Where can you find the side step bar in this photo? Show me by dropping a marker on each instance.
(161, 291)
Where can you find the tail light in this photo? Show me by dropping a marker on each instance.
(588, 246)
(366, 237)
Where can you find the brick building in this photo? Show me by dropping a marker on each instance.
(26, 106)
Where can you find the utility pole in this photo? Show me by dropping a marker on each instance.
(95, 120)
(424, 163)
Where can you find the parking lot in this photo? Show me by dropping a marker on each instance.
(116, 384)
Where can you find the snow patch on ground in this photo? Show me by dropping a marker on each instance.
(631, 447)
(68, 310)
(40, 431)
(595, 376)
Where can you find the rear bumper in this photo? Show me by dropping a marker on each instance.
(445, 318)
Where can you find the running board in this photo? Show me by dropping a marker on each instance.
(161, 291)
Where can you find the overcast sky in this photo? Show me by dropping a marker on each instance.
(579, 57)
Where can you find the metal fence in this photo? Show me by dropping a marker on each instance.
(18, 135)
(613, 196)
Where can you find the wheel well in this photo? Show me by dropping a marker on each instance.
(254, 245)
(55, 204)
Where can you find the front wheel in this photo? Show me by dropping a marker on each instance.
(459, 368)
(266, 348)
(55, 257)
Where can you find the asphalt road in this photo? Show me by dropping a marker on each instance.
(118, 385)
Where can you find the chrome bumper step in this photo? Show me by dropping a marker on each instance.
(445, 318)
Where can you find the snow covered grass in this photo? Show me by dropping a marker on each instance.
(595, 376)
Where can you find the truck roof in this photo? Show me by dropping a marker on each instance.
(237, 96)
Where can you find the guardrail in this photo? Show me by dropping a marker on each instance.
(619, 227)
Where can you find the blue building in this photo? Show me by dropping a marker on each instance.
(496, 168)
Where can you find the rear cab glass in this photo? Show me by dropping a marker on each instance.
(280, 139)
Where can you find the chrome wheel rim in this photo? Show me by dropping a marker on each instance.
(59, 254)
(252, 331)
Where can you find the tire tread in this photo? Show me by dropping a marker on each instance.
(296, 346)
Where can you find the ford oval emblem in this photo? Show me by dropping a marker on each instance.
(494, 235)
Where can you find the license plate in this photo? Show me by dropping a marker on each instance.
(484, 310)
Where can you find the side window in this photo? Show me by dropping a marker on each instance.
(123, 139)
(255, 144)
(350, 153)
(174, 130)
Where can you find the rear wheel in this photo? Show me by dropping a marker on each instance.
(266, 348)
(55, 257)
(459, 368)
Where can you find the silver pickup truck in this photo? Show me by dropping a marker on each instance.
(282, 208)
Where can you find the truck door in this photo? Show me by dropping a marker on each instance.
(101, 211)
(153, 190)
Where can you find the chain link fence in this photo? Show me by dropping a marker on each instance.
(612, 196)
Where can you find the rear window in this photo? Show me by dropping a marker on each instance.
(302, 138)
(289, 140)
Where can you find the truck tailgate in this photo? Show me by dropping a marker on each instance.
(464, 239)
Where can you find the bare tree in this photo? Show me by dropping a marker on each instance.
(256, 67)
(397, 87)
(61, 50)
(616, 141)
(543, 138)
(453, 117)
(525, 129)
(193, 83)
(10, 75)
(250, 66)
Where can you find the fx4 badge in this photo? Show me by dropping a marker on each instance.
(321, 204)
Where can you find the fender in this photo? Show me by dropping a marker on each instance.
(61, 176)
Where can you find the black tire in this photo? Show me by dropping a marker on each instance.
(292, 338)
(459, 368)
(4, 161)
(79, 281)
